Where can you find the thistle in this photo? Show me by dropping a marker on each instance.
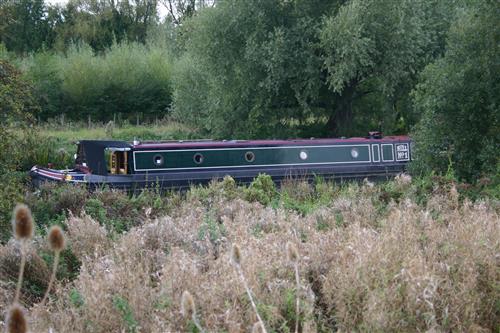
(56, 242)
(22, 227)
(236, 261)
(16, 320)
(188, 309)
(292, 255)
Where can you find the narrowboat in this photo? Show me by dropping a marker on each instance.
(178, 164)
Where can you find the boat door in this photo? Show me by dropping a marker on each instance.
(117, 160)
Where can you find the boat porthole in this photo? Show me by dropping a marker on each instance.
(303, 155)
(158, 160)
(249, 156)
(198, 158)
(354, 153)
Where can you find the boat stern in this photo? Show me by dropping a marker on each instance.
(40, 175)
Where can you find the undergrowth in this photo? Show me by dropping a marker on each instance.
(401, 255)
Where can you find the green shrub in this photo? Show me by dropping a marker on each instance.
(211, 228)
(122, 305)
(11, 192)
(129, 80)
(262, 189)
(51, 204)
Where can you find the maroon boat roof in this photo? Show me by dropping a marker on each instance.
(254, 143)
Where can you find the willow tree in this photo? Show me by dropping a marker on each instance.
(305, 67)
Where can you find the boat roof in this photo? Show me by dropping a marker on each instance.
(254, 143)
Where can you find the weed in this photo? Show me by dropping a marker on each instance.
(76, 298)
(123, 307)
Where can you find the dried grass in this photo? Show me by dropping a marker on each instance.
(363, 267)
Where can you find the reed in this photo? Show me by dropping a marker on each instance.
(292, 255)
(236, 261)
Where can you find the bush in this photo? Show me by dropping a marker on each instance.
(18, 102)
(54, 202)
(129, 81)
(262, 189)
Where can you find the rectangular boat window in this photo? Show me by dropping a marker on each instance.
(80, 155)
(118, 162)
(376, 153)
(387, 152)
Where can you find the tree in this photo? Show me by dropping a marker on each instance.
(179, 10)
(306, 67)
(100, 23)
(17, 108)
(379, 47)
(17, 104)
(459, 97)
(24, 26)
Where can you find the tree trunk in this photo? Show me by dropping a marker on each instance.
(340, 121)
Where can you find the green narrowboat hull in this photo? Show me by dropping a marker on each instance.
(119, 164)
(182, 159)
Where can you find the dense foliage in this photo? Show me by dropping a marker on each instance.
(130, 81)
(30, 25)
(275, 68)
(17, 106)
(459, 97)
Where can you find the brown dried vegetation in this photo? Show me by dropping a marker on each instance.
(364, 266)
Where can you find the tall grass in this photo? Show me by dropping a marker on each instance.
(373, 257)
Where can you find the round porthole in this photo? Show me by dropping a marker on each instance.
(249, 156)
(303, 155)
(198, 158)
(354, 153)
(158, 160)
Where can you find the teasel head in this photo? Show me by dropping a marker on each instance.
(56, 239)
(56, 242)
(16, 320)
(292, 254)
(22, 222)
(188, 308)
(236, 255)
